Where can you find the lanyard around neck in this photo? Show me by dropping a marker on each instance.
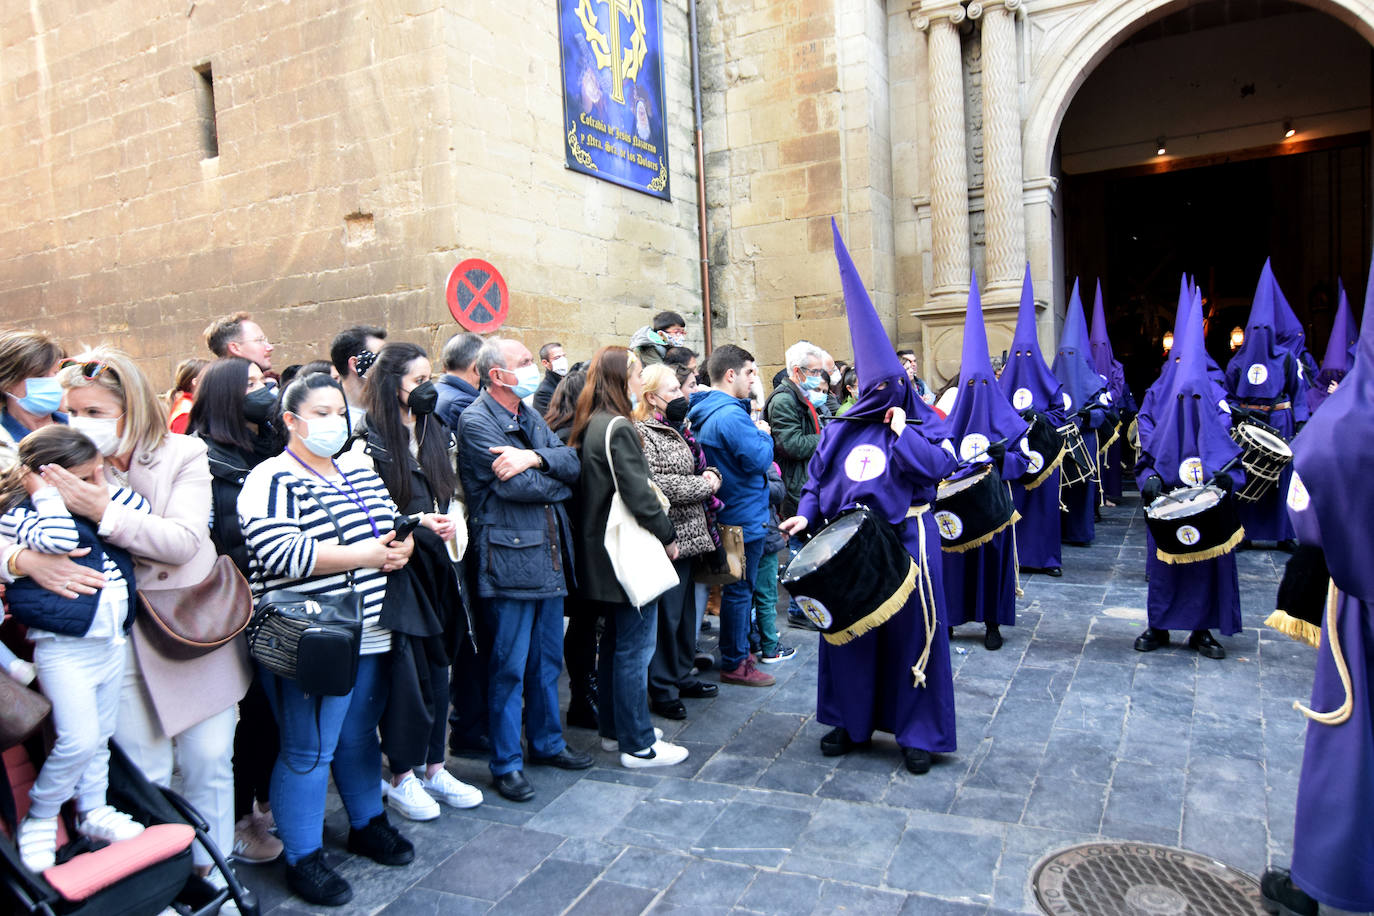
(352, 495)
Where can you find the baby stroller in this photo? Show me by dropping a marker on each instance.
(144, 876)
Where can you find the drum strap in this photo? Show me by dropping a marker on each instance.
(925, 592)
(1341, 714)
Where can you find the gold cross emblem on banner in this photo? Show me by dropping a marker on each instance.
(607, 46)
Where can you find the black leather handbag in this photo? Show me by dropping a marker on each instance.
(310, 639)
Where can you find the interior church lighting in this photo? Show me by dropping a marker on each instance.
(1160, 148)
(1168, 341)
(1288, 130)
(1237, 337)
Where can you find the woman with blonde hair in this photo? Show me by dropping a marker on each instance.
(174, 713)
(660, 417)
(613, 462)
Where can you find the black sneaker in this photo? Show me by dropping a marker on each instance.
(381, 842)
(315, 882)
(1281, 895)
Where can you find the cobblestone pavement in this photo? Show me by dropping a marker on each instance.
(1065, 735)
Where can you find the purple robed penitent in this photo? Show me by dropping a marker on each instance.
(1262, 377)
(1110, 368)
(1340, 350)
(1088, 404)
(867, 684)
(1184, 440)
(980, 584)
(1332, 501)
(1028, 383)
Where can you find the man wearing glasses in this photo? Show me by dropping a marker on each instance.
(239, 335)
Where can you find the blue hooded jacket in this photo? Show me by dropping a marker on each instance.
(742, 451)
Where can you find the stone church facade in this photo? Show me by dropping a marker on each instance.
(322, 163)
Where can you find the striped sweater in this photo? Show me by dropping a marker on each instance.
(284, 525)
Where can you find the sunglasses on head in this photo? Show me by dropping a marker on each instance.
(90, 370)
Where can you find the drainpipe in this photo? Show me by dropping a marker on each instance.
(701, 182)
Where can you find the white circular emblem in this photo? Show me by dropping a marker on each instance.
(816, 612)
(864, 462)
(1298, 498)
(1188, 535)
(1190, 472)
(1021, 398)
(1105, 399)
(1068, 401)
(950, 525)
(974, 445)
(1037, 461)
(1257, 374)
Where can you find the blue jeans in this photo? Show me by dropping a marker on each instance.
(622, 680)
(737, 610)
(317, 732)
(526, 659)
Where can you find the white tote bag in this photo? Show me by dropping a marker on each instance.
(641, 566)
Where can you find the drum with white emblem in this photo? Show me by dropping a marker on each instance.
(971, 508)
(1192, 524)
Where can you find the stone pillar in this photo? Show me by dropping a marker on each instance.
(1002, 151)
(948, 162)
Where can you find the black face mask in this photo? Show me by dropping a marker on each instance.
(422, 398)
(258, 405)
(675, 411)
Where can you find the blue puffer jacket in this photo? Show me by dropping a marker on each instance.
(518, 526)
(34, 606)
(742, 451)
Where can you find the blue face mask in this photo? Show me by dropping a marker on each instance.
(634, 399)
(41, 397)
(811, 382)
(527, 379)
(815, 396)
(325, 436)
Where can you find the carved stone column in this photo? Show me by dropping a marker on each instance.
(1002, 151)
(948, 162)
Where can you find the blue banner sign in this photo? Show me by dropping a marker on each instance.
(613, 110)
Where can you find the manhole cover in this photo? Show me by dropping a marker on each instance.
(1141, 879)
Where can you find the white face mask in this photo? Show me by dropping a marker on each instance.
(325, 436)
(103, 431)
(559, 365)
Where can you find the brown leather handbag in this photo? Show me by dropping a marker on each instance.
(189, 622)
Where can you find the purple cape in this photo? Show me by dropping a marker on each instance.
(1104, 361)
(981, 413)
(1073, 362)
(1259, 369)
(1340, 350)
(1026, 380)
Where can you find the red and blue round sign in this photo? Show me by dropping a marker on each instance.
(477, 296)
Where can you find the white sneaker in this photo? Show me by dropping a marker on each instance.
(38, 843)
(108, 824)
(452, 791)
(411, 800)
(611, 744)
(662, 754)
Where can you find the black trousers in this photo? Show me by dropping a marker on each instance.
(256, 743)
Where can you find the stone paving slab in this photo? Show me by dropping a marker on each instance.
(1066, 735)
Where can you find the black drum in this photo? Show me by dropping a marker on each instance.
(971, 509)
(1192, 524)
(1078, 467)
(1044, 446)
(853, 576)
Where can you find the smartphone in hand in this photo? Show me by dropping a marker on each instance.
(405, 526)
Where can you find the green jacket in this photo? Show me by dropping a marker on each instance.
(795, 436)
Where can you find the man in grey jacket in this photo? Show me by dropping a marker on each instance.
(517, 475)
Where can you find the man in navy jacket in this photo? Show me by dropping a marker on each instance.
(743, 450)
(517, 474)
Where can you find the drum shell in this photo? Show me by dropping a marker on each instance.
(1045, 439)
(861, 586)
(972, 516)
(1215, 531)
(1078, 466)
(1263, 466)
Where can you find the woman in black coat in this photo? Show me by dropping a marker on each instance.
(627, 642)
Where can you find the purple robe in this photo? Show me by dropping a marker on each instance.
(1332, 501)
(1028, 383)
(1089, 404)
(980, 585)
(1340, 350)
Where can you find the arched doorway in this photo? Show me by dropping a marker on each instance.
(1217, 84)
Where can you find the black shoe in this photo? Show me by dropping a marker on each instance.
(802, 622)
(514, 786)
(566, 759)
(1054, 572)
(475, 750)
(315, 882)
(1281, 895)
(703, 662)
(668, 709)
(582, 711)
(992, 640)
(837, 743)
(1206, 644)
(381, 842)
(1078, 543)
(917, 761)
(698, 690)
(1288, 545)
(1151, 640)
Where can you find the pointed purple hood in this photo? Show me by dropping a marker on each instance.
(1073, 364)
(1187, 420)
(1340, 350)
(1339, 478)
(1257, 370)
(980, 406)
(1026, 380)
(1104, 361)
(1288, 330)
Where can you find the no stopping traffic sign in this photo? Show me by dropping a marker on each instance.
(477, 296)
